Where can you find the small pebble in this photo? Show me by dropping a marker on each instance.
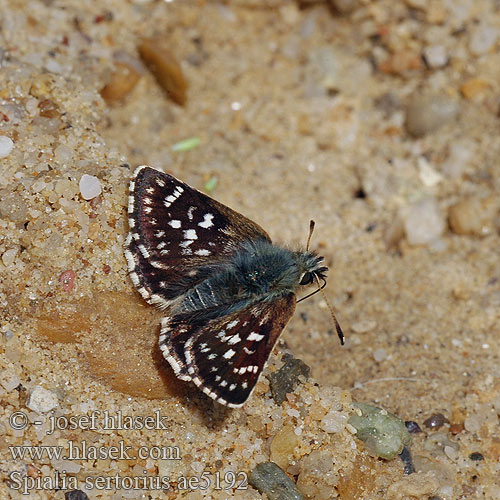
(42, 400)
(384, 434)
(33, 471)
(460, 155)
(405, 456)
(393, 233)
(333, 422)
(165, 68)
(9, 256)
(401, 63)
(271, 480)
(473, 423)
(6, 146)
(120, 83)
(67, 278)
(75, 495)
(69, 466)
(476, 456)
(286, 378)
(49, 109)
(90, 187)
(475, 89)
(435, 421)
(283, 445)
(474, 216)
(436, 56)
(379, 355)
(10, 381)
(427, 173)
(483, 39)
(451, 453)
(424, 222)
(425, 114)
(413, 427)
(457, 428)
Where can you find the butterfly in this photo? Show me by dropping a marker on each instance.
(227, 289)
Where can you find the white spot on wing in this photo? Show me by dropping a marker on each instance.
(202, 252)
(169, 200)
(144, 251)
(229, 354)
(176, 224)
(159, 265)
(207, 221)
(234, 339)
(190, 234)
(255, 336)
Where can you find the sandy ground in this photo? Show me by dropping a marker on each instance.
(378, 120)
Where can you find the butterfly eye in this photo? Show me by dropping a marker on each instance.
(307, 278)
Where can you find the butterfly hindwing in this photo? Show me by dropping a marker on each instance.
(226, 356)
(176, 233)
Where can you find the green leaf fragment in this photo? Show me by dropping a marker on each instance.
(211, 184)
(186, 144)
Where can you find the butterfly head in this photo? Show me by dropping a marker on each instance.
(311, 268)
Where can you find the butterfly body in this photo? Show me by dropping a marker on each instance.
(229, 291)
(258, 271)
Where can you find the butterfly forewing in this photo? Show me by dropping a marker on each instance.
(176, 234)
(226, 356)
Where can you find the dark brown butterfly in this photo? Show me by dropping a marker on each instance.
(229, 291)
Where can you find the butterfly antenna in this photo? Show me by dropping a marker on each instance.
(311, 229)
(340, 333)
